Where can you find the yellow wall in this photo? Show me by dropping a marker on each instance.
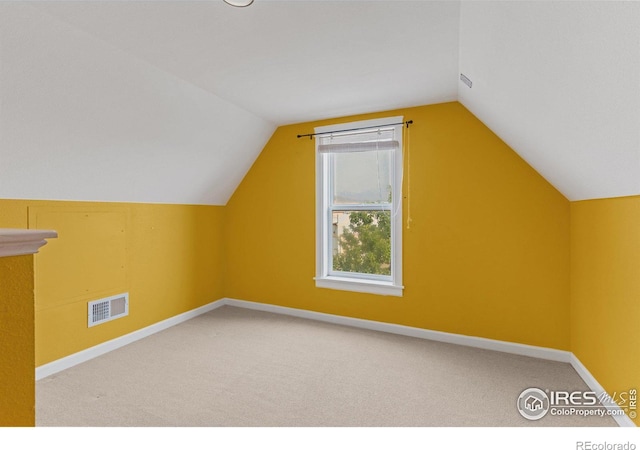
(493, 251)
(17, 368)
(605, 290)
(486, 254)
(168, 257)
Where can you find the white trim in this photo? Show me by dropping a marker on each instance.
(15, 242)
(368, 123)
(367, 286)
(622, 420)
(100, 349)
(439, 336)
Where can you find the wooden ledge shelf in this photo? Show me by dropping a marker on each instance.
(15, 241)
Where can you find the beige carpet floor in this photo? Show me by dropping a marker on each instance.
(234, 367)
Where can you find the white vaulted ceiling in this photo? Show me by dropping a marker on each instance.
(172, 101)
(289, 61)
(559, 81)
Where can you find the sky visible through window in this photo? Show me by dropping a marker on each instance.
(362, 177)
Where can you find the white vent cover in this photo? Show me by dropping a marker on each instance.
(109, 308)
(465, 80)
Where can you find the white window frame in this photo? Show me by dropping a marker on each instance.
(357, 282)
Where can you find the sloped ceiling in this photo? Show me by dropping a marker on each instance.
(172, 101)
(559, 82)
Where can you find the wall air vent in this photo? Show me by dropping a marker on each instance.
(107, 309)
(465, 80)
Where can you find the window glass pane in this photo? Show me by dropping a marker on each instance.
(362, 177)
(361, 242)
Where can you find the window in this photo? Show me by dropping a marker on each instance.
(359, 206)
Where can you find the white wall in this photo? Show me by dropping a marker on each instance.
(560, 83)
(83, 120)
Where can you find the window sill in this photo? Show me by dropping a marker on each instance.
(358, 285)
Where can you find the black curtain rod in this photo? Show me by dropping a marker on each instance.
(311, 135)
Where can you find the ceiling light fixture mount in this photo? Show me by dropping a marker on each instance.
(239, 3)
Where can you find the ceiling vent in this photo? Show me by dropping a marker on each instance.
(107, 309)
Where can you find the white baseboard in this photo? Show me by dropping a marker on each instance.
(93, 352)
(439, 336)
(621, 420)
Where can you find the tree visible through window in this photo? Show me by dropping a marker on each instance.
(365, 244)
